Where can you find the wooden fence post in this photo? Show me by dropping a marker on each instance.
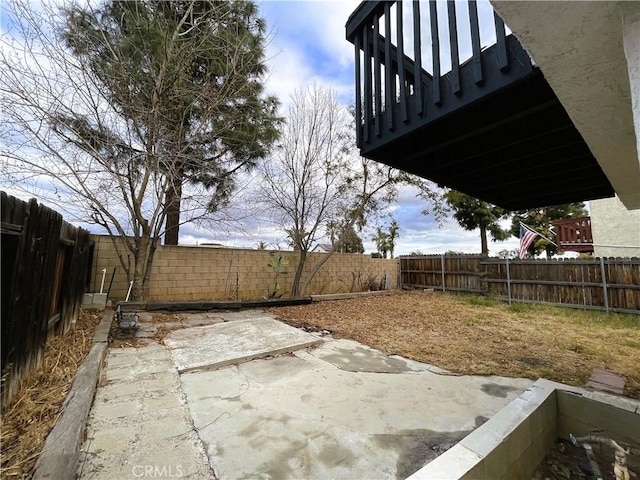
(604, 285)
(508, 282)
(568, 283)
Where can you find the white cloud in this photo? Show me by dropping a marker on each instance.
(308, 45)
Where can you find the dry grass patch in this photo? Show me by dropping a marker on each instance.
(36, 407)
(475, 335)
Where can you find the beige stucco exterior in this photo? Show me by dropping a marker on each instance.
(589, 52)
(615, 230)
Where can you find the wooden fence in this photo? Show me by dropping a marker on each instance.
(45, 265)
(610, 284)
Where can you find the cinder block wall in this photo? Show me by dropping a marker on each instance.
(206, 273)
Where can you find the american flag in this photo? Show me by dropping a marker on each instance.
(527, 237)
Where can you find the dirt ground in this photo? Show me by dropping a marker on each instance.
(27, 421)
(476, 335)
(566, 461)
(470, 335)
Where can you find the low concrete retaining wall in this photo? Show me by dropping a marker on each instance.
(514, 442)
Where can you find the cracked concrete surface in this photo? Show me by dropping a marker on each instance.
(339, 410)
(300, 416)
(139, 423)
(222, 344)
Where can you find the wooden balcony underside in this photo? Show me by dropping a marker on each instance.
(516, 148)
(492, 127)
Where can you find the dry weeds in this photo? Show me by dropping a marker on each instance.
(467, 335)
(473, 335)
(35, 408)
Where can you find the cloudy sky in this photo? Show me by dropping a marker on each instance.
(307, 45)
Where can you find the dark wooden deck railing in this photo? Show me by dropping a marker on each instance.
(406, 77)
(574, 235)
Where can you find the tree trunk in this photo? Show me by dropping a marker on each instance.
(139, 267)
(324, 260)
(153, 245)
(295, 287)
(483, 240)
(173, 201)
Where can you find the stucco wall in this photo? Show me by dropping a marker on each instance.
(204, 273)
(616, 230)
(631, 32)
(580, 47)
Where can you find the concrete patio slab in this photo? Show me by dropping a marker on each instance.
(300, 416)
(229, 343)
(139, 425)
(148, 322)
(337, 410)
(352, 356)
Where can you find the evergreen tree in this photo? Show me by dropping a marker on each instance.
(471, 213)
(346, 235)
(187, 76)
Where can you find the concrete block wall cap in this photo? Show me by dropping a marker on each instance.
(625, 403)
(453, 464)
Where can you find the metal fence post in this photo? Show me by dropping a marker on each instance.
(604, 285)
(442, 268)
(508, 282)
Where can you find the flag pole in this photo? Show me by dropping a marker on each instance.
(538, 233)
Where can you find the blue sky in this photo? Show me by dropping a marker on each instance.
(307, 45)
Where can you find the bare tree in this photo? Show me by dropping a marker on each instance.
(313, 179)
(113, 130)
(370, 187)
(302, 182)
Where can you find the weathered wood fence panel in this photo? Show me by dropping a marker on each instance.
(610, 284)
(460, 273)
(44, 271)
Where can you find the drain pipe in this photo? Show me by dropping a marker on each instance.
(620, 469)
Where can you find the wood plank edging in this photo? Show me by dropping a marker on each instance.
(59, 457)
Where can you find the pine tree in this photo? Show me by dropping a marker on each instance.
(201, 66)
